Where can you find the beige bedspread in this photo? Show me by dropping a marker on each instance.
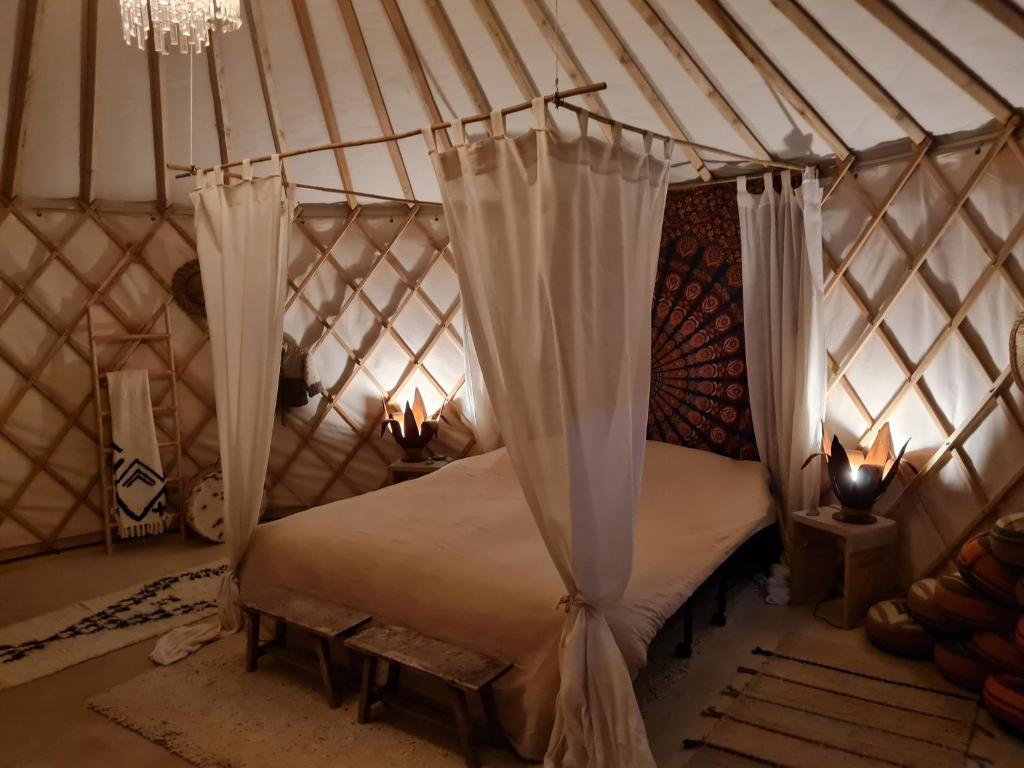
(456, 555)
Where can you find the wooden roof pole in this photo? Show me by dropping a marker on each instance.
(87, 101)
(323, 95)
(690, 65)
(23, 40)
(506, 48)
(939, 57)
(1008, 14)
(156, 108)
(355, 36)
(773, 75)
(215, 67)
(259, 50)
(415, 66)
(643, 81)
(850, 67)
(458, 56)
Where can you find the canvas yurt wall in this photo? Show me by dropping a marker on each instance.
(913, 126)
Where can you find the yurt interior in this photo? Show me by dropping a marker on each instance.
(600, 383)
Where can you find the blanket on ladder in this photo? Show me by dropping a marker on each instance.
(139, 488)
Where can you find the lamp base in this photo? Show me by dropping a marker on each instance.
(854, 516)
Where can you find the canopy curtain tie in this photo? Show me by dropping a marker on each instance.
(568, 602)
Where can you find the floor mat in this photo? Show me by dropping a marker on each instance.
(54, 641)
(815, 704)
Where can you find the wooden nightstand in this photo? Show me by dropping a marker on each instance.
(401, 470)
(821, 546)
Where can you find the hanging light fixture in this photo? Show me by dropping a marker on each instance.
(181, 24)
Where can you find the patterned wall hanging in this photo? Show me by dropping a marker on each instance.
(699, 393)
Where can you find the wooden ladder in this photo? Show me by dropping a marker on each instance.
(104, 446)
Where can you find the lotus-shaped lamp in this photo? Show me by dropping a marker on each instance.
(414, 432)
(859, 479)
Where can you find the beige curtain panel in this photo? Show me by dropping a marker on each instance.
(242, 240)
(555, 242)
(780, 245)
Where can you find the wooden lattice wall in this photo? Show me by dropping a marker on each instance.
(925, 270)
(924, 275)
(372, 292)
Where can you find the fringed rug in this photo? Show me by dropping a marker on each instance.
(210, 711)
(54, 641)
(826, 705)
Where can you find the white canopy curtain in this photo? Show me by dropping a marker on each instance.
(555, 244)
(242, 241)
(780, 242)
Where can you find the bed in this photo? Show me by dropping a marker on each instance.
(456, 555)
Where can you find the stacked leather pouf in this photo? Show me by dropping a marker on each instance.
(972, 625)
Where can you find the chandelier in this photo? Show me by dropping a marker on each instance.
(184, 24)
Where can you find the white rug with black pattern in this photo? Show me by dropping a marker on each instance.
(54, 641)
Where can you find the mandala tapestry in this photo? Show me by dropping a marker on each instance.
(698, 368)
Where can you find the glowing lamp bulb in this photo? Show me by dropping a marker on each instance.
(855, 474)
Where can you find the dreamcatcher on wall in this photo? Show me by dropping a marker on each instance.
(699, 395)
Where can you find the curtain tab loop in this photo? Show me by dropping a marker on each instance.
(218, 175)
(459, 129)
(429, 140)
(583, 119)
(247, 170)
(275, 165)
(769, 186)
(786, 181)
(570, 602)
(648, 141)
(497, 124)
(539, 114)
(670, 147)
(616, 133)
(741, 185)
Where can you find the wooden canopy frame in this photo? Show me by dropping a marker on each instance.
(919, 162)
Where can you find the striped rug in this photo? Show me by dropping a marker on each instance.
(829, 705)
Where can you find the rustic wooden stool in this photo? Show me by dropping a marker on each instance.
(323, 620)
(463, 671)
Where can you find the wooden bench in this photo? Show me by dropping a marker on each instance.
(323, 620)
(462, 671)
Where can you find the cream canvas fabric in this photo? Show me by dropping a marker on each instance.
(780, 241)
(555, 241)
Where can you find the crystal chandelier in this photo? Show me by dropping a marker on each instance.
(184, 24)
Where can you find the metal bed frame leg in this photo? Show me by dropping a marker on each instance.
(718, 618)
(685, 649)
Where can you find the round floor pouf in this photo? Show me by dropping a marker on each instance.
(922, 606)
(890, 626)
(999, 650)
(1007, 538)
(985, 573)
(960, 664)
(968, 607)
(204, 509)
(1003, 696)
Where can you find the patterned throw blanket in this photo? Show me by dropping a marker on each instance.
(139, 486)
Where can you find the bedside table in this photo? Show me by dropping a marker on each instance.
(402, 470)
(821, 545)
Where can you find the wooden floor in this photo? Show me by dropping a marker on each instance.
(46, 723)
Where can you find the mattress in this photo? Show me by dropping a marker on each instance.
(456, 555)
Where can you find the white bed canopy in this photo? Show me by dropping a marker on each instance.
(923, 267)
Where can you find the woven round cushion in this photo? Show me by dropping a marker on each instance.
(922, 606)
(960, 664)
(204, 509)
(891, 627)
(999, 650)
(1007, 539)
(1003, 696)
(968, 607)
(985, 573)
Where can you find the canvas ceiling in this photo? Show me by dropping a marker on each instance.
(926, 270)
